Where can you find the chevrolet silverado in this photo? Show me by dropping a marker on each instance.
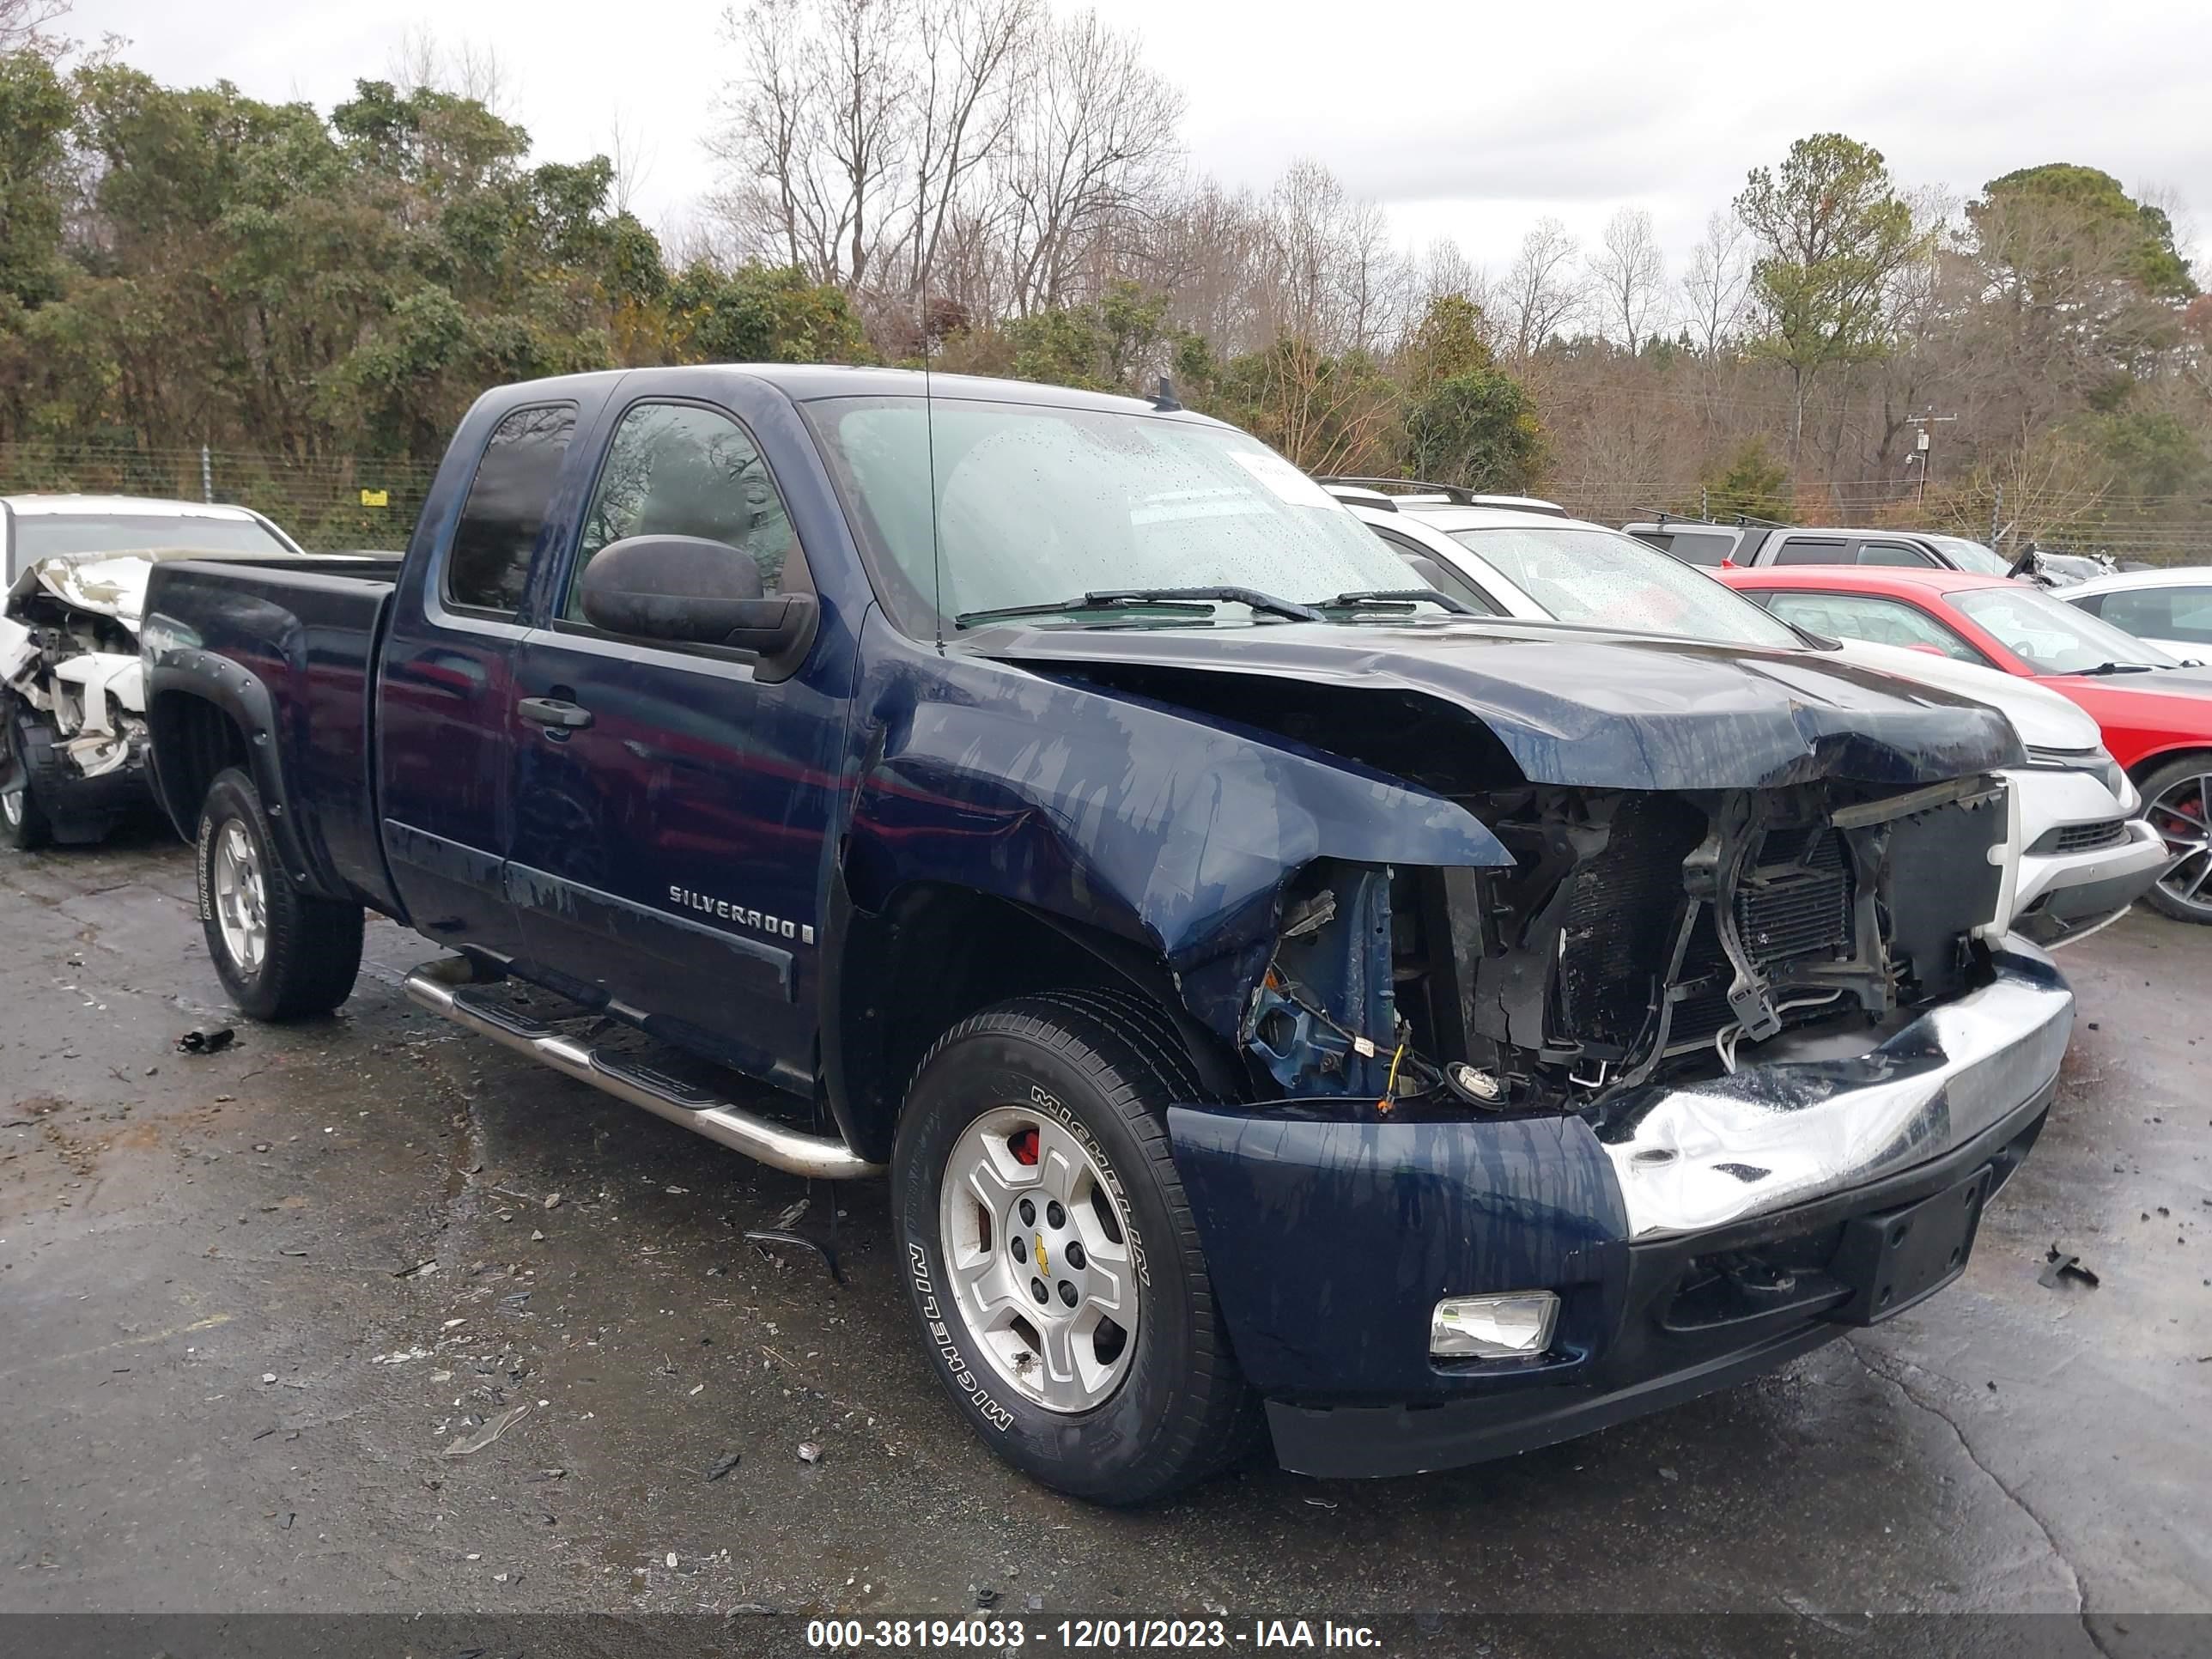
(1281, 1002)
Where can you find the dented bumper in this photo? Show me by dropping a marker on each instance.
(1762, 1231)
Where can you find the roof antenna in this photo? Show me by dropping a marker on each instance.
(1164, 398)
(929, 431)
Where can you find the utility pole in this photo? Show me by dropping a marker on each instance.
(1924, 447)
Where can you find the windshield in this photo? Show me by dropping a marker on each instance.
(2051, 636)
(1602, 578)
(1038, 505)
(48, 535)
(1971, 555)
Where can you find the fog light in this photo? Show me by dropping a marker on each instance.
(1512, 1327)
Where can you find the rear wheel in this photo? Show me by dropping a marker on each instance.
(2179, 804)
(283, 954)
(1052, 1262)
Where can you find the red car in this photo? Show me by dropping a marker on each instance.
(2156, 712)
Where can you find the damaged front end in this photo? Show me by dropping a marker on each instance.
(1637, 935)
(72, 692)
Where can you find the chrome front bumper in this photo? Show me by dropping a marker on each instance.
(1812, 1118)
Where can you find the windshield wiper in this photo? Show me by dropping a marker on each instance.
(1164, 599)
(2117, 668)
(1406, 598)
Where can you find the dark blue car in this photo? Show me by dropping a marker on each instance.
(1281, 1002)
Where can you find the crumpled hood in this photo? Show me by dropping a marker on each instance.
(106, 584)
(1582, 707)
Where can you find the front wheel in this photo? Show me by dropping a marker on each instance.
(22, 815)
(2178, 799)
(283, 954)
(1051, 1260)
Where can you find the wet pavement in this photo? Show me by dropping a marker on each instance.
(248, 1300)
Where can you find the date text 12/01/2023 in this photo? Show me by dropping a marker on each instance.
(1085, 1634)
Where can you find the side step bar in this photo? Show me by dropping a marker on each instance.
(824, 1157)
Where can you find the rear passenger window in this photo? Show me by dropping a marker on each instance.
(678, 470)
(489, 564)
(1806, 549)
(1894, 553)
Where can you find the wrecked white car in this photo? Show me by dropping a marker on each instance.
(72, 695)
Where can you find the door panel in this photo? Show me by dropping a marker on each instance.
(667, 854)
(445, 696)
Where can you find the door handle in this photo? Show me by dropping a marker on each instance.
(554, 712)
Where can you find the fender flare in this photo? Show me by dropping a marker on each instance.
(241, 696)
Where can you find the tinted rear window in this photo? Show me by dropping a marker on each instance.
(1803, 549)
(489, 564)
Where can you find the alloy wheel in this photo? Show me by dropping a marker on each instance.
(1036, 1244)
(2182, 814)
(242, 897)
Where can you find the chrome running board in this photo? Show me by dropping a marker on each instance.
(443, 987)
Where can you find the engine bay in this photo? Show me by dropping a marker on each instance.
(1638, 935)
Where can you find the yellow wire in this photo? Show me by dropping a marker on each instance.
(1390, 1084)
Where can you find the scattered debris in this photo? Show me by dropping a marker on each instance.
(672, 1557)
(986, 1596)
(765, 1236)
(536, 1237)
(261, 1145)
(724, 1464)
(206, 1039)
(490, 1431)
(546, 1474)
(2063, 1266)
(420, 1270)
(809, 1452)
(268, 1377)
(1321, 1503)
(676, 1192)
(791, 1214)
(552, 1200)
(400, 1356)
(1668, 1475)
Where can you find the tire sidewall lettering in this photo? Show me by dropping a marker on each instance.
(1049, 1103)
(202, 863)
(941, 1341)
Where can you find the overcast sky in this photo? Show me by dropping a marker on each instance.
(1469, 121)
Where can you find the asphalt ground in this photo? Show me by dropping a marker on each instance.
(249, 1300)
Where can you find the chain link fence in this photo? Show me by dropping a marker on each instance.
(330, 503)
(325, 503)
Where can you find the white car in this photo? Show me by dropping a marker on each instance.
(72, 695)
(2169, 609)
(2082, 855)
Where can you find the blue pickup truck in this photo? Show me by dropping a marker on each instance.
(1282, 1003)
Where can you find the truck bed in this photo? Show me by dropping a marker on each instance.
(307, 629)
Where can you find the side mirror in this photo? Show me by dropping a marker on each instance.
(692, 590)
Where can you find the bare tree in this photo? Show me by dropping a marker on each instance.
(970, 52)
(1094, 141)
(473, 69)
(1717, 287)
(1629, 275)
(631, 157)
(23, 25)
(1339, 282)
(819, 132)
(1542, 292)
